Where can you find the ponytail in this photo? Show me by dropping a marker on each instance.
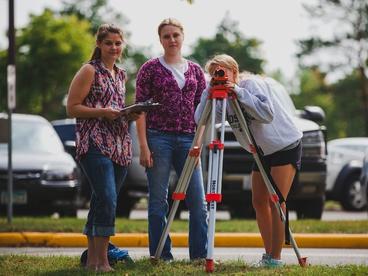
(96, 53)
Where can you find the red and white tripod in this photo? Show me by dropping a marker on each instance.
(218, 92)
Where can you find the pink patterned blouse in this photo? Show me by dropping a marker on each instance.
(110, 137)
(176, 113)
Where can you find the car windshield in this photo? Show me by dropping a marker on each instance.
(33, 137)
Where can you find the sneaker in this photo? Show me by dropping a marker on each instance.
(262, 262)
(274, 263)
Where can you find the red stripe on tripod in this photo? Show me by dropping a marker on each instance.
(213, 197)
(216, 144)
(274, 198)
(218, 93)
(194, 152)
(178, 196)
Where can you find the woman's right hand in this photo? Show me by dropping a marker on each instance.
(146, 157)
(110, 113)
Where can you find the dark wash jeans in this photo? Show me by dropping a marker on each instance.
(105, 178)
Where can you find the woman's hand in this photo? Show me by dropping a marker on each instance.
(230, 85)
(132, 116)
(146, 157)
(110, 113)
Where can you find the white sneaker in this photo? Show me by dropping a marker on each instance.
(262, 262)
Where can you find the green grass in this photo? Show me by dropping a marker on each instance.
(47, 224)
(61, 265)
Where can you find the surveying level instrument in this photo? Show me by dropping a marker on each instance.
(219, 92)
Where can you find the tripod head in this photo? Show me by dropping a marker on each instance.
(219, 77)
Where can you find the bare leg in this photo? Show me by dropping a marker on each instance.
(283, 177)
(101, 244)
(261, 204)
(91, 255)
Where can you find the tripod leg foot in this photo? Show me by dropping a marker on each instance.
(153, 260)
(210, 265)
(303, 262)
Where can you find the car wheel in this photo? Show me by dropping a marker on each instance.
(125, 205)
(72, 212)
(242, 210)
(353, 198)
(310, 208)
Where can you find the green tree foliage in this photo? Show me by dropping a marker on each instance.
(348, 107)
(98, 12)
(348, 50)
(315, 91)
(229, 40)
(49, 52)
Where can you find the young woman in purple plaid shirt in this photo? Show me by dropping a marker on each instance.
(166, 134)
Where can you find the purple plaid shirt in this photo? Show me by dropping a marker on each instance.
(176, 113)
(110, 137)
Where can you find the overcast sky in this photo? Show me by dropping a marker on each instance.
(277, 23)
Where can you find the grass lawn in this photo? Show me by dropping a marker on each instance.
(47, 224)
(30, 265)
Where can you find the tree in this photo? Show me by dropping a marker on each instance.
(349, 46)
(98, 12)
(49, 52)
(94, 11)
(229, 40)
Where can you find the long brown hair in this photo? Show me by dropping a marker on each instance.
(102, 33)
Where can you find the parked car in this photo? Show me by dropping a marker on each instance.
(307, 195)
(45, 177)
(364, 177)
(135, 185)
(344, 167)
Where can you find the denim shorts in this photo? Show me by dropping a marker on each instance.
(105, 178)
(283, 157)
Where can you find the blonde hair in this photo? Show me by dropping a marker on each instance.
(172, 22)
(225, 61)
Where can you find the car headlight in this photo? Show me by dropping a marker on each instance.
(60, 175)
(314, 144)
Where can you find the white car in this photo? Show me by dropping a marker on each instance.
(344, 166)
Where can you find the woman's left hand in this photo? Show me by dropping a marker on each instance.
(230, 85)
(132, 116)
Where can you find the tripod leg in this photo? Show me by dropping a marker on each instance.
(274, 198)
(214, 182)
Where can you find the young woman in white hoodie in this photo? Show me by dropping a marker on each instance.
(277, 137)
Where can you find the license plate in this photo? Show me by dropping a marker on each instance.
(19, 197)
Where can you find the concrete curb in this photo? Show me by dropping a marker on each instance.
(181, 240)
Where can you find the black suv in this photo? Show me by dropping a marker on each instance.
(307, 195)
(135, 185)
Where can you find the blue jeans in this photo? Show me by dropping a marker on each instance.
(171, 150)
(105, 178)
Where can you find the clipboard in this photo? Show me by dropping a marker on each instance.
(139, 107)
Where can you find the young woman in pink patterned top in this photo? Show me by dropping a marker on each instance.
(166, 134)
(96, 95)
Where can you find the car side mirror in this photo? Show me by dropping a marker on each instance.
(313, 113)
